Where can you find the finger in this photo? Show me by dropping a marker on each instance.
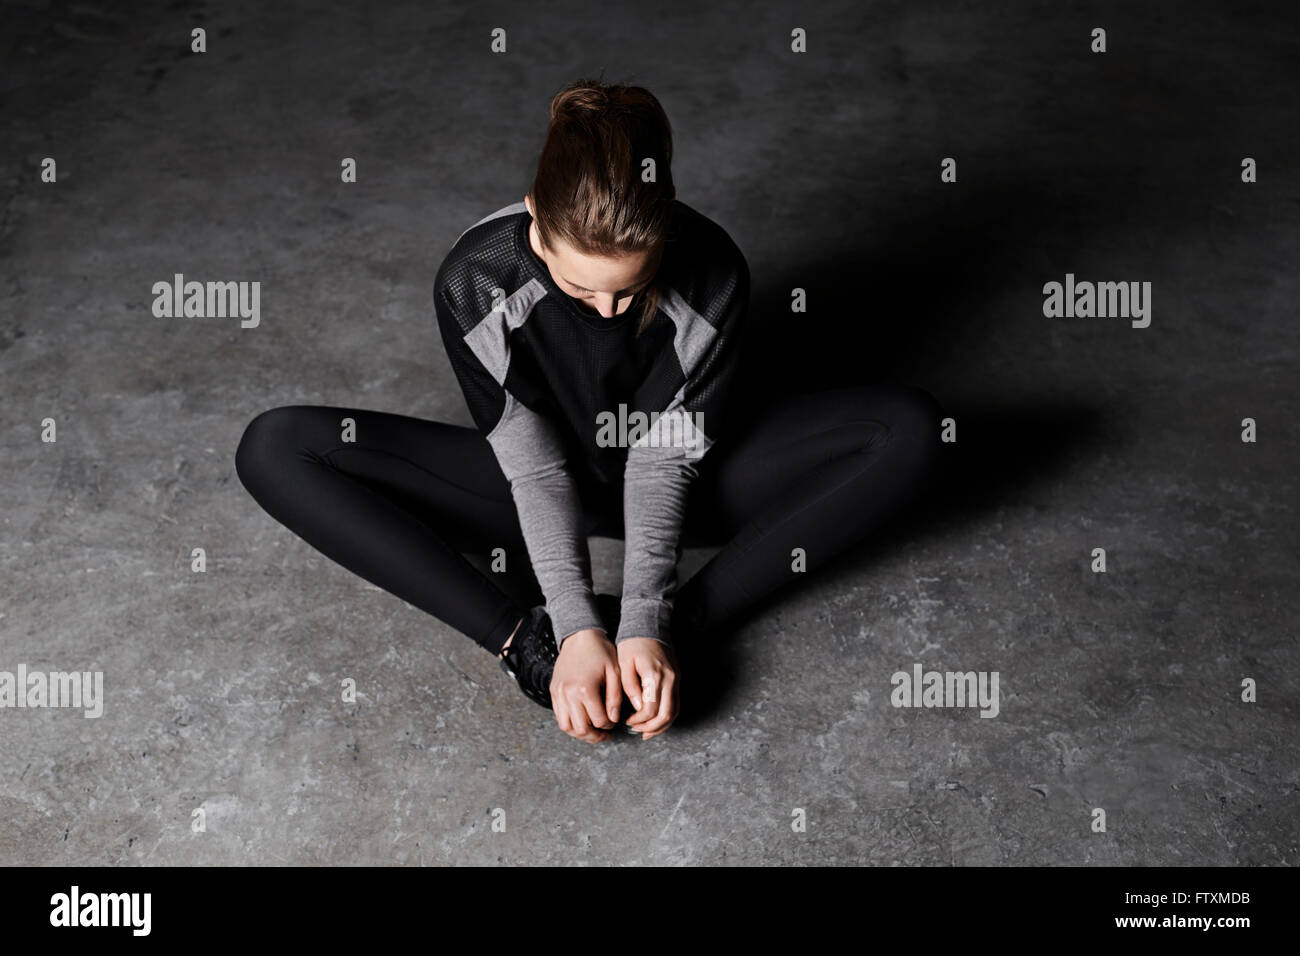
(593, 736)
(613, 693)
(565, 713)
(675, 696)
(593, 704)
(672, 693)
(650, 680)
(579, 725)
(631, 683)
(666, 712)
(561, 712)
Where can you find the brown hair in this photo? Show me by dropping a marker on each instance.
(588, 189)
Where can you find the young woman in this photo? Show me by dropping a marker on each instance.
(595, 331)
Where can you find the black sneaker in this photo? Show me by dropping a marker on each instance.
(530, 658)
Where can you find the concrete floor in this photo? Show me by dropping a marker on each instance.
(1118, 691)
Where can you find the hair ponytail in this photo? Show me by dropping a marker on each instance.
(588, 191)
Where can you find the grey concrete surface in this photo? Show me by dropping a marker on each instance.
(1119, 691)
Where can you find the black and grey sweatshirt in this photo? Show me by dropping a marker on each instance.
(563, 393)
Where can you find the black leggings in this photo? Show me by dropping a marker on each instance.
(404, 503)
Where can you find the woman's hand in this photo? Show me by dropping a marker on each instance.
(585, 692)
(649, 672)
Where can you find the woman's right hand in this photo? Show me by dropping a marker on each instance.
(586, 692)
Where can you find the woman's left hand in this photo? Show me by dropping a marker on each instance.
(650, 679)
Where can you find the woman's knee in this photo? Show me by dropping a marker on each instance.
(918, 412)
(269, 436)
(917, 424)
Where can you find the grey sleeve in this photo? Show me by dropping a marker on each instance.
(656, 483)
(662, 463)
(550, 514)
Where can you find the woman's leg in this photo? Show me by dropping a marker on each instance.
(397, 506)
(818, 472)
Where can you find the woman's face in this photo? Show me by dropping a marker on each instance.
(607, 286)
